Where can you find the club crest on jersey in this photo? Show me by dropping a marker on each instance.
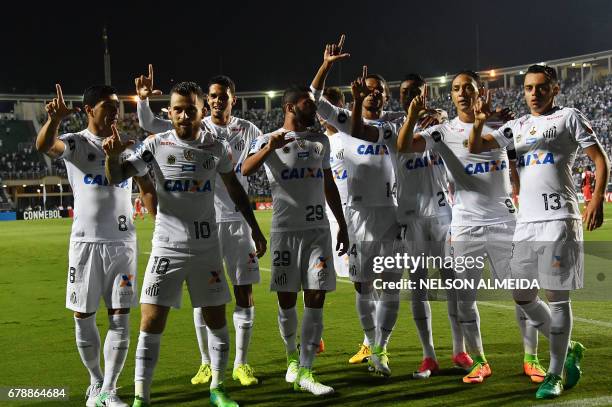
(533, 130)
(286, 149)
(485, 166)
(209, 163)
(436, 136)
(188, 154)
(318, 148)
(372, 149)
(340, 154)
(98, 179)
(171, 159)
(239, 145)
(550, 134)
(387, 133)
(301, 143)
(465, 143)
(536, 158)
(187, 185)
(342, 117)
(298, 173)
(422, 162)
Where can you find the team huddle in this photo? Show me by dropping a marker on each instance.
(376, 183)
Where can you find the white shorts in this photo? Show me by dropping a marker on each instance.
(341, 263)
(426, 236)
(551, 251)
(372, 232)
(470, 242)
(169, 267)
(302, 259)
(238, 250)
(105, 270)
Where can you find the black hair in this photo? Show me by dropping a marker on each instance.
(548, 71)
(188, 89)
(294, 93)
(471, 74)
(334, 95)
(416, 78)
(222, 80)
(96, 93)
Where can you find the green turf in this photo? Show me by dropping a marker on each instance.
(38, 349)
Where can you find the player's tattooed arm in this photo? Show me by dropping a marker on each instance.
(593, 214)
(407, 142)
(360, 91)
(332, 196)
(146, 118)
(47, 141)
(241, 200)
(252, 163)
(477, 143)
(117, 171)
(332, 53)
(147, 194)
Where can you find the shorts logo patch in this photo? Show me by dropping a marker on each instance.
(73, 298)
(153, 290)
(281, 279)
(252, 258)
(214, 277)
(171, 159)
(342, 117)
(353, 270)
(322, 263)
(126, 280)
(556, 262)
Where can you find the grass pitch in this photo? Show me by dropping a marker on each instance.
(38, 348)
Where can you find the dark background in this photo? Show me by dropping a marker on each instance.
(269, 44)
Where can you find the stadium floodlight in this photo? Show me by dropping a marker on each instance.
(59, 185)
(443, 79)
(521, 72)
(541, 63)
(38, 190)
(4, 186)
(584, 64)
(40, 185)
(492, 72)
(271, 93)
(573, 64)
(24, 185)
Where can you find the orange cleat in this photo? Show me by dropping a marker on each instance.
(479, 372)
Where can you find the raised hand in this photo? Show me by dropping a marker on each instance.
(359, 89)
(113, 146)
(144, 85)
(278, 140)
(419, 103)
(57, 109)
(333, 52)
(482, 107)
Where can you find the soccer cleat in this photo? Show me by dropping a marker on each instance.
(219, 398)
(380, 360)
(362, 355)
(534, 370)
(551, 387)
(463, 361)
(478, 373)
(245, 374)
(572, 364)
(109, 399)
(428, 367)
(140, 402)
(321, 348)
(93, 391)
(306, 382)
(293, 366)
(203, 376)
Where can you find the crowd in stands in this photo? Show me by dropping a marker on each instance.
(25, 163)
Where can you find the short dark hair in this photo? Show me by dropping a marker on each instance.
(548, 71)
(334, 95)
(470, 73)
(222, 80)
(293, 93)
(416, 78)
(96, 93)
(188, 89)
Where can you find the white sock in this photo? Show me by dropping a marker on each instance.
(287, 324)
(560, 332)
(528, 331)
(366, 310)
(387, 309)
(312, 328)
(469, 318)
(201, 334)
(116, 346)
(147, 354)
(538, 313)
(453, 319)
(421, 313)
(218, 349)
(88, 345)
(243, 324)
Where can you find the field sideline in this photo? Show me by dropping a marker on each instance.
(38, 346)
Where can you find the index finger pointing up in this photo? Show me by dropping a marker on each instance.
(341, 42)
(488, 96)
(151, 71)
(364, 72)
(60, 95)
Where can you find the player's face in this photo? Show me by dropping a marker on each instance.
(220, 99)
(104, 113)
(408, 91)
(540, 92)
(186, 113)
(464, 91)
(305, 110)
(376, 99)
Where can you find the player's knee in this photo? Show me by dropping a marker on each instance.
(314, 298)
(83, 315)
(214, 316)
(244, 295)
(557, 295)
(286, 300)
(118, 311)
(364, 287)
(153, 318)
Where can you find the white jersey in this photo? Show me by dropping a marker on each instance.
(481, 181)
(546, 148)
(421, 179)
(295, 172)
(336, 162)
(185, 174)
(102, 211)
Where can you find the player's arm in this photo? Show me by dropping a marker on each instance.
(47, 141)
(332, 53)
(252, 163)
(515, 181)
(359, 129)
(332, 196)
(477, 143)
(117, 171)
(146, 118)
(407, 142)
(241, 200)
(593, 214)
(147, 194)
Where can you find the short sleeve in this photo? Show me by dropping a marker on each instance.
(388, 132)
(142, 156)
(225, 160)
(326, 154)
(334, 115)
(504, 135)
(258, 143)
(581, 129)
(433, 136)
(70, 143)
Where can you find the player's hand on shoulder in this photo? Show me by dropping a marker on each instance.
(144, 85)
(333, 52)
(57, 109)
(113, 146)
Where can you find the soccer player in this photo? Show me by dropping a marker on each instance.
(587, 181)
(185, 162)
(102, 259)
(298, 167)
(546, 141)
(138, 208)
(370, 210)
(483, 217)
(237, 247)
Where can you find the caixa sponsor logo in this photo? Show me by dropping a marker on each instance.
(98, 179)
(485, 166)
(422, 162)
(536, 159)
(372, 149)
(297, 173)
(187, 185)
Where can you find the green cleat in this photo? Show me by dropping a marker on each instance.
(245, 374)
(203, 376)
(572, 364)
(293, 365)
(380, 361)
(219, 398)
(109, 399)
(140, 402)
(305, 381)
(551, 387)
